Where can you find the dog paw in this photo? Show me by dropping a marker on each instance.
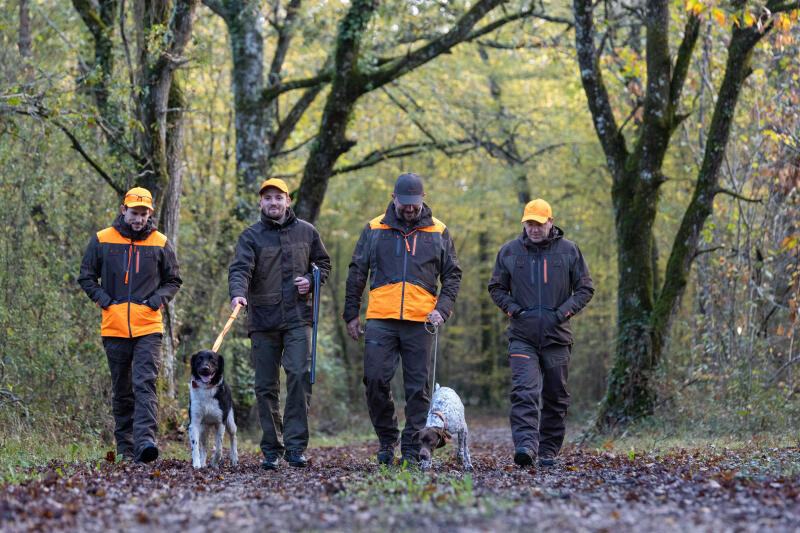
(425, 465)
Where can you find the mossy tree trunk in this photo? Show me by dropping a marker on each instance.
(645, 310)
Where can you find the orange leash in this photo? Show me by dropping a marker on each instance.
(226, 328)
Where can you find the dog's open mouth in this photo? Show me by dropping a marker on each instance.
(206, 378)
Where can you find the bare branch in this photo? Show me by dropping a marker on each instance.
(288, 124)
(729, 192)
(272, 92)
(690, 34)
(403, 150)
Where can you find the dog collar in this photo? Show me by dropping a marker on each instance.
(444, 421)
(196, 385)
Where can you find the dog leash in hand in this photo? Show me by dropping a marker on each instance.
(435, 334)
(226, 328)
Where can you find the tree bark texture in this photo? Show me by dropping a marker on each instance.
(645, 311)
(24, 33)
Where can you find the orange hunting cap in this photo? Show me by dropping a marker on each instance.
(138, 196)
(274, 182)
(537, 210)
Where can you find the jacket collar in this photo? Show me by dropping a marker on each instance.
(291, 218)
(556, 233)
(391, 219)
(126, 231)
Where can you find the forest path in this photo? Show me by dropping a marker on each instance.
(342, 489)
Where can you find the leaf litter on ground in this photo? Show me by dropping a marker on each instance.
(749, 488)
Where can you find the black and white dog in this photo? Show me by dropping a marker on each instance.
(210, 408)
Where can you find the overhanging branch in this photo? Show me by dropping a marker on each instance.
(402, 150)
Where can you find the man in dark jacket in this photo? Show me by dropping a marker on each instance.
(271, 274)
(407, 250)
(138, 275)
(541, 281)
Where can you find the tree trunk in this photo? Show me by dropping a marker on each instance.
(24, 35)
(346, 87)
(245, 25)
(646, 314)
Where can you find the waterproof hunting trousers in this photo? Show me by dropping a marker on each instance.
(134, 364)
(534, 370)
(290, 348)
(387, 343)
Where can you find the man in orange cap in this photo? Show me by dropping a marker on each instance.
(138, 275)
(271, 274)
(541, 281)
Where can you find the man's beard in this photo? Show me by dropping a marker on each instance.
(414, 218)
(274, 217)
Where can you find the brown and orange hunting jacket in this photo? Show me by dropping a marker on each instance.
(406, 264)
(138, 274)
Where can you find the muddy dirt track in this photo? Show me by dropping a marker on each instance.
(709, 489)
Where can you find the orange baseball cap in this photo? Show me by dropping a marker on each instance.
(537, 210)
(274, 182)
(138, 196)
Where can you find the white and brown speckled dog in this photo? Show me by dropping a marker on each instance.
(210, 408)
(446, 416)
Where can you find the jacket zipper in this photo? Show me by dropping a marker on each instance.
(130, 285)
(539, 279)
(403, 289)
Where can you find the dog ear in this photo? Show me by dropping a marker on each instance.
(221, 369)
(442, 439)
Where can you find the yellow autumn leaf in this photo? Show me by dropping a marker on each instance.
(780, 329)
(219, 513)
(719, 16)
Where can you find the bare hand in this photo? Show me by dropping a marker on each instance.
(435, 318)
(302, 284)
(239, 300)
(354, 328)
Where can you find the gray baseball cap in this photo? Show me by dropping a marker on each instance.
(408, 189)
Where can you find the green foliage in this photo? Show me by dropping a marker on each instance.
(406, 486)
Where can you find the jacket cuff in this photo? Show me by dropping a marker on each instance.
(104, 301)
(155, 302)
(349, 315)
(561, 316)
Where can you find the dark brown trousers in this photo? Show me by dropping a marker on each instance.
(387, 343)
(134, 365)
(539, 374)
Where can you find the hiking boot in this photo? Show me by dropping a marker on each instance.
(523, 457)
(296, 459)
(147, 453)
(386, 454)
(270, 462)
(547, 460)
(410, 458)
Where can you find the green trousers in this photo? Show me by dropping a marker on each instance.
(290, 348)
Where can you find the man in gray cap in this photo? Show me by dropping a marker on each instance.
(408, 252)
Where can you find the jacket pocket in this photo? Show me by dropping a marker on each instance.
(269, 298)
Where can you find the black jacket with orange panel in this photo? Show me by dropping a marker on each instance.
(406, 264)
(269, 256)
(541, 286)
(138, 274)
